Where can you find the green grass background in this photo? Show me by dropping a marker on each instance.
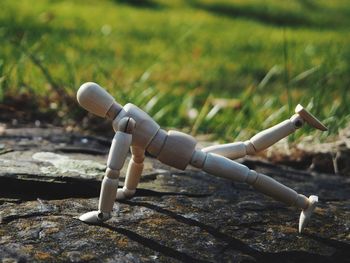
(228, 68)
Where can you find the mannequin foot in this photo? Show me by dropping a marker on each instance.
(95, 217)
(309, 118)
(124, 193)
(306, 214)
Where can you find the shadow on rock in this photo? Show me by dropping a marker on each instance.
(150, 243)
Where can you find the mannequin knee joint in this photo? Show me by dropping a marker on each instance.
(250, 149)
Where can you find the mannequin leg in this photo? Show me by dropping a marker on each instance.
(258, 142)
(223, 167)
(268, 137)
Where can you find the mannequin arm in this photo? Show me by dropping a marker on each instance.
(116, 158)
(133, 173)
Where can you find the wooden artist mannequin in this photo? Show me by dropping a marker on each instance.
(138, 131)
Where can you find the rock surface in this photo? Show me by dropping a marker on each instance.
(330, 157)
(48, 178)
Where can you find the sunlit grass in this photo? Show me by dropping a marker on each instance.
(175, 59)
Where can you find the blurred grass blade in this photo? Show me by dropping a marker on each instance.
(152, 103)
(271, 119)
(201, 116)
(213, 112)
(305, 74)
(275, 70)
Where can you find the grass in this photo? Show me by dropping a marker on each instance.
(228, 68)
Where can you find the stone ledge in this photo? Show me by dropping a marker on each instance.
(175, 216)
